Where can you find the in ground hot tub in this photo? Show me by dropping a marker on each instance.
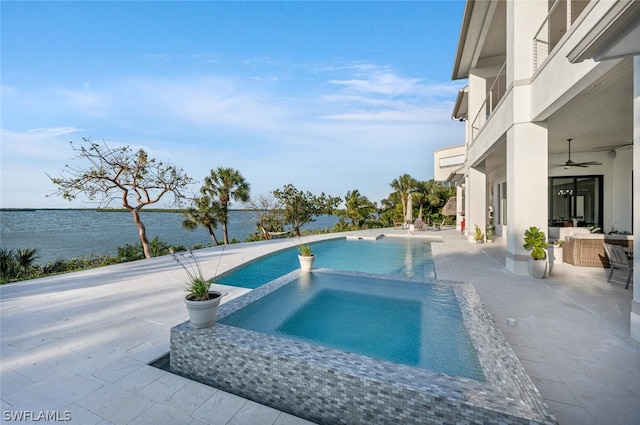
(271, 346)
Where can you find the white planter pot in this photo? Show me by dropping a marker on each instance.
(306, 262)
(537, 268)
(202, 314)
(556, 252)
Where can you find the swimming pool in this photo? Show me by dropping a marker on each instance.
(385, 255)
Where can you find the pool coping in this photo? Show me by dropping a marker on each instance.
(508, 392)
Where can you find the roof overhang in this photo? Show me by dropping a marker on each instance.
(461, 108)
(456, 176)
(472, 33)
(616, 35)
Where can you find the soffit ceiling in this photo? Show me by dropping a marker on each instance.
(599, 116)
(482, 35)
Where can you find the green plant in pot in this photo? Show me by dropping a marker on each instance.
(535, 241)
(202, 303)
(306, 258)
(491, 231)
(479, 236)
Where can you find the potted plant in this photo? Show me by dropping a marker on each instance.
(535, 241)
(491, 231)
(202, 303)
(479, 236)
(306, 258)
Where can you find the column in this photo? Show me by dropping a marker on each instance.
(527, 183)
(476, 107)
(477, 201)
(460, 207)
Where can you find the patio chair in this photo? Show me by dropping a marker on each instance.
(437, 226)
(418, 224)
(618, 260)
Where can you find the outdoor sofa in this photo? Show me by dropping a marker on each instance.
(588, 249)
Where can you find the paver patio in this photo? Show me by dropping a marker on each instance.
(81, 342)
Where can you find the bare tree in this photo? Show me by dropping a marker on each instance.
(267, 211)
(119, 173)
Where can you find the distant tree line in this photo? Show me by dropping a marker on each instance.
(133, 179)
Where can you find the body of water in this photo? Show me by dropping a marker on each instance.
(81, 233)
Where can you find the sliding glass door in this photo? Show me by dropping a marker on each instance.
(575, 201)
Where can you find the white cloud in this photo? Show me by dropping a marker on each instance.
(37, 142)
(353, 127)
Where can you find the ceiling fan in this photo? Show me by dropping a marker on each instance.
(570, 163)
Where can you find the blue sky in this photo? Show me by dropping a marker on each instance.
(328, 96)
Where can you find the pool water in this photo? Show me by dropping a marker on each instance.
(387, 255)
(406, 322)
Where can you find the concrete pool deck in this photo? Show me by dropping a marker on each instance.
(81, 342)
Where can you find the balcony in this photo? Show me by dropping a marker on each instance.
(494, 95)
(561, 16)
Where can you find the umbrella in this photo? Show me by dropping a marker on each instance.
(450, 207)
(409, 216)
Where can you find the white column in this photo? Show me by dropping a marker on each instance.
(527, 144)
(527, 185)
(459, 206)
(523, 20)
(635, 304)
(476, 107)
(477, 195)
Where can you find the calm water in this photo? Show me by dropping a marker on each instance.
(81, 233)
(416, 324)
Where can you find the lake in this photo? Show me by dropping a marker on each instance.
(70, 233)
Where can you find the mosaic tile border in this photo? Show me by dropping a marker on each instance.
(330, 386)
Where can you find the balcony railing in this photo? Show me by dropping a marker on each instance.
(561, 16)
(494, 96)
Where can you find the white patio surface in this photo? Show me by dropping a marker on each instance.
(81, 342)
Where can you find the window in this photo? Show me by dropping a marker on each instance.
(575, 201)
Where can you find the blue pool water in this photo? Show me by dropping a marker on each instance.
(414, 323)
(387, 255)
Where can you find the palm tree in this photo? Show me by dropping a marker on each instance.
(404, 185)
(204, 211)
(358, 208)
(25, 258)
(427, 195)
(225, 185)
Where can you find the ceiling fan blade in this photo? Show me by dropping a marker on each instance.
(613, 146)
(581, 164)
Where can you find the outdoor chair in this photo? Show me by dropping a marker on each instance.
(418, 224)
(618, 260)
(437, 226)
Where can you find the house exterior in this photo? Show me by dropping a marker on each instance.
(551, 115)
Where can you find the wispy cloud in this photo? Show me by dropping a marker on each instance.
(37, 142)
(341, 126)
